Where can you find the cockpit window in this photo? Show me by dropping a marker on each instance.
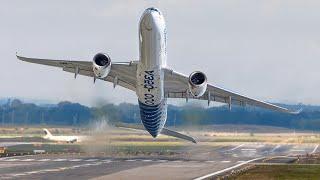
(154, 9)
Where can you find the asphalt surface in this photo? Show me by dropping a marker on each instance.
(201, 162)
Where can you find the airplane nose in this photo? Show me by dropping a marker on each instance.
(148, 21)
(149, 18)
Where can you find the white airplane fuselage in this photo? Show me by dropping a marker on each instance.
(150, 78)
(68, 139)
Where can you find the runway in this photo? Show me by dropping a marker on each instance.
(202, 161)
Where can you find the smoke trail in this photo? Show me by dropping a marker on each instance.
(99, 137)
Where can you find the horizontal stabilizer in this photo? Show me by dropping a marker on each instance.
(164, 131)
(176, 134)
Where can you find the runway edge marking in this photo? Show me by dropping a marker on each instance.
(227, 169)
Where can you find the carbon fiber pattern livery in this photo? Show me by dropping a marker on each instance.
(153, 117)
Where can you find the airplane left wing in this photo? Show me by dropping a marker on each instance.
(122, 73)
(176, 86)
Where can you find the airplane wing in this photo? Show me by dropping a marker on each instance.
(176, 86)
(122, 73)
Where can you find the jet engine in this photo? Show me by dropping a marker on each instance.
(101, 65)
(197, 83)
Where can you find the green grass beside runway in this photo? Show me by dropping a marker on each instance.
(118, 149)
(279, 172)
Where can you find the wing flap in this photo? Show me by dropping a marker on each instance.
(80, 71)
(110, 78)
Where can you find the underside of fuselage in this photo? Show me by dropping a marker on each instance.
(153, 117)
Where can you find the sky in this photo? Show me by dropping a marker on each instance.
(267, 49)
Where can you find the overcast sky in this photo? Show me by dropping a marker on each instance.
(267, 49)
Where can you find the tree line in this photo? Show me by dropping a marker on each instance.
(16, 112)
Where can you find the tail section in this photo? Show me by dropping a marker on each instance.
(47, 133)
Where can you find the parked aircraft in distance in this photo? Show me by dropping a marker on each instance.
(152, 80)
(67, 139)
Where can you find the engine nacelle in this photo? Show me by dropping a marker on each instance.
(101, 65)
(197, 83)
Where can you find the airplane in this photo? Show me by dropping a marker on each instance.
(152, 80)
(67, 139)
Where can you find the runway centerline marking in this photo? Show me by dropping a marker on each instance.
(315, 149)
(107, 161)
(11, 159)
(92, 160)
(259, 145)
(298, 150)
(76, 166)
(27, 160)
(227, 169)
(60, 160)
(131, 160)
(75, 160)
(20, 174)
(44, 159)
(32, 172)
(248, 149)
(51, 170)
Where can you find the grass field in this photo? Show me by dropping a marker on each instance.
(282, 172)
(114, 150)
(206, 136)
(122, 142)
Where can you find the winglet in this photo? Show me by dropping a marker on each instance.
(296, 112)
(22, 58)
(19, 57)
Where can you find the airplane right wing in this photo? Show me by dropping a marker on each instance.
(176, 86)
(123, 73)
